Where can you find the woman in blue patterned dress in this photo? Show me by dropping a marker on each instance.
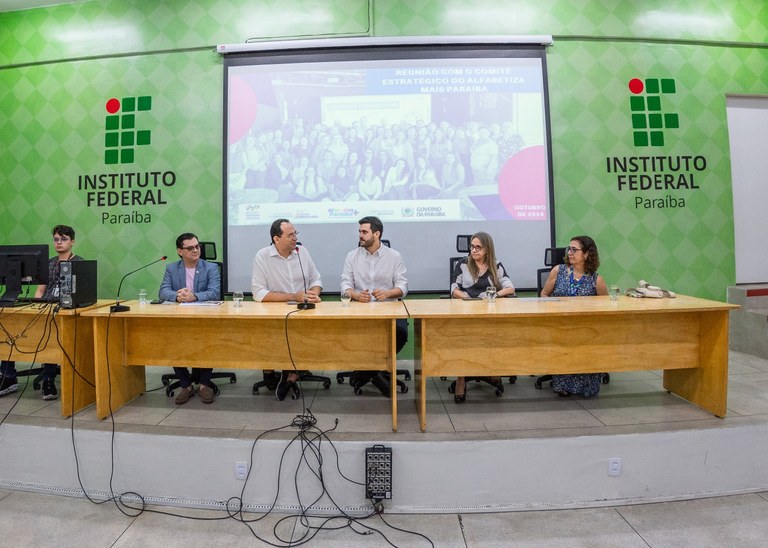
(578, 277)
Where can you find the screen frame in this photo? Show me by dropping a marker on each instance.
(320, 51)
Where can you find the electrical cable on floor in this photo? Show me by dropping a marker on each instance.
(310, 438)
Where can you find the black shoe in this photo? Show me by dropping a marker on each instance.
(459, 398)
(382, 384)
(8, 385)
(271, 380)
(283, 386)
(49, 390)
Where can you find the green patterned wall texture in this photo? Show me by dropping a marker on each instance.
(60, 65)
(684, 242)
(732, 20)
(53, 127)
(113, 27)
(109, 27)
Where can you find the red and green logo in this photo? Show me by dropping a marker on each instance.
(122, 137)
(648, 120)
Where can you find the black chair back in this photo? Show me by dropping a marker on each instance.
(554, 256)
(208, 251)
(462, 242)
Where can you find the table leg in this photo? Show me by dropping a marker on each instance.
(116, 383)
(707, 384)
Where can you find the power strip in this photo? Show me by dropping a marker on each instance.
(378, 472)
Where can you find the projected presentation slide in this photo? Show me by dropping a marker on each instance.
(457, 141)
(450, 140)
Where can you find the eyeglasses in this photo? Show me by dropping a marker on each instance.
(572, 249)
(476, 248)
(292, 235)
(192, 248)
(57, 240)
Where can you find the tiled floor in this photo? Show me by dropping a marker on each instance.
(29, 519)
(632, 402)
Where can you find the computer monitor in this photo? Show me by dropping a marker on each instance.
(21, 264)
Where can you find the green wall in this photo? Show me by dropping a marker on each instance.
(59, 66)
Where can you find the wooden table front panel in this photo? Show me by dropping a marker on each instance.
(245, 343)
(548, 344)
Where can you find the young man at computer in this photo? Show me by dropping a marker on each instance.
(63, 241)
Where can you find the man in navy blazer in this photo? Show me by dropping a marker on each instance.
(188, 280)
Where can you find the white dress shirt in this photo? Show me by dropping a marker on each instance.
(273, 272)
(383, 269)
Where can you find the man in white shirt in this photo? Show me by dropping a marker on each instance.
(284, 271)
(374, 272)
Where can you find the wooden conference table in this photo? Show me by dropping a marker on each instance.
(34, 326)
(686, 337)
(329, 337)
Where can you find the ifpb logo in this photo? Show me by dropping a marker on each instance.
(648, 120)
(121, 136)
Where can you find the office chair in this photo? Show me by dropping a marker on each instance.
(462, 246)
(37, 382)
(304, 376)
(170, 380)
(553, 256)
(341, 375)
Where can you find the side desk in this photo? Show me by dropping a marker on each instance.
(687, 337)
(32, 325)
(329, 337)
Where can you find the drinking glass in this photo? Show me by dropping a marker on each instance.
(491, 293)
(142, 296)
(237, 297)
(613, 292)
(345, 298)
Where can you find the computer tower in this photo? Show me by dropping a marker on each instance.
(77, 284)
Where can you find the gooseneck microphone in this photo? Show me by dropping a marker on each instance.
(117, 307)
(305, 305)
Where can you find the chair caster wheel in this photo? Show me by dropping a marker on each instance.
(537, 384)
(340, 378)
(233, 379)
(452, 388)
(513, 379)
(326, 385)
(499, 393)
(403, 389)
(357, 390)
(407, 375)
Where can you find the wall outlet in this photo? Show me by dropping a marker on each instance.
(614, 466)
(241, 470)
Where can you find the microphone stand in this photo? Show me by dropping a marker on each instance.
(117, 307)
(305, 305)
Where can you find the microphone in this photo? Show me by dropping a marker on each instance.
(117, 307)
(305, 305)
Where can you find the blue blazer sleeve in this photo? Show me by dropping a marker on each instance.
(167, 286)
(207, 282)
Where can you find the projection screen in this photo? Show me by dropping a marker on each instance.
(436, 140)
